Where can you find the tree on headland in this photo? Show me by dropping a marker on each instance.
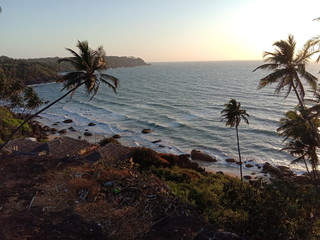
(233, 115)
(89, 65)
(16, 94)
(288, 69)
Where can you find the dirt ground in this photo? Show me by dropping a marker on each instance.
(43, 197)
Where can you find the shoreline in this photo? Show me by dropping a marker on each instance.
(70, 131)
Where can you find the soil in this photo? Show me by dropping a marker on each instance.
(44, 197)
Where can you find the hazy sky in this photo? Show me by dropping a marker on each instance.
(155, 30)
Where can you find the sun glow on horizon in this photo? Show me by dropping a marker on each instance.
(180, 30)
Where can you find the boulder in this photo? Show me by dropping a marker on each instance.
(247, 177)
(91, 124)
(68, 121)
(116, 136)
(157, 141)
(249, 165)
(146, 130)
(198, 155)
(268, 168)
(62, 131)
(72, 129)
(286, 171)
(230, 160)
(88, 134)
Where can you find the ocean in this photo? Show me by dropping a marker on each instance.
(182, 102)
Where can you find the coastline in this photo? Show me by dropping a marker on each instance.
(69, 130)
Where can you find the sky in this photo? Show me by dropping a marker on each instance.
(155, 30)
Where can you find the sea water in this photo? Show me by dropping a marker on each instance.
(181, 103)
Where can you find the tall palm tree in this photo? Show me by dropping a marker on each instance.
(233, 115)
(288, 69)
(89, 65)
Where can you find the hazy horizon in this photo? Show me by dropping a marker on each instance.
(156, 31)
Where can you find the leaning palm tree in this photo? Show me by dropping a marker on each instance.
(288, 70)
(89, 65)
(233, 115)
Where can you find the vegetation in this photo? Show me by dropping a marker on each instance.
(88, 65)
(281, 210)
(43, 70)
(233, 115)
(16, 94)
(8, 123)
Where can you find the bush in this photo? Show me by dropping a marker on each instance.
(146, 158)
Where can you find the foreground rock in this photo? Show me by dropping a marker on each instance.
(198, 155)
(68, 121)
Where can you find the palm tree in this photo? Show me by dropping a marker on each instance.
(89, 65)
(300, 139)
(288, 69)
(233, 115)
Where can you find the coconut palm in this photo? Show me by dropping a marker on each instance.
(233, 115)
(288, 70)
(299, 138)
(89, 65)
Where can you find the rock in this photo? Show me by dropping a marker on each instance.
(72, 129)
(267, 167)
(286, 171)
(230, 160)
(55, 124)
(198, 155)
(146, 130)
(157, 141)
(68, 121)
(91, 124)
(46, 128)
(161, 146)
(247, 177)
(249, 165)
(62, 131)
(116, 136)
(88, 134)
(79, 137)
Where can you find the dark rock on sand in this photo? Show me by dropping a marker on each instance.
(68, 121)
(116, 136)
(146, 130)
(91, 124)
(72, 129)
(230, 160)
(62, 131)
(247, 177)
(88, 134)
(157, 141)
(198, 155)
(249, 165)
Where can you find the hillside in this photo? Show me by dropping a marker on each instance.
(42, 70)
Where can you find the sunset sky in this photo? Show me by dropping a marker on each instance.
(157, 31)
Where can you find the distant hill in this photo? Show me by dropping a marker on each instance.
(42, 70)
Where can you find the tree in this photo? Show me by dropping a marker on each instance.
(299, 139)
(233, 115)
(89, 65)
(288, 69)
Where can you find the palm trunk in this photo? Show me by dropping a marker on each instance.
(238, 142)
(36, 114)
(305, 115)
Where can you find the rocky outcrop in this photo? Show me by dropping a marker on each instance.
(277, 172)
(198, 155)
